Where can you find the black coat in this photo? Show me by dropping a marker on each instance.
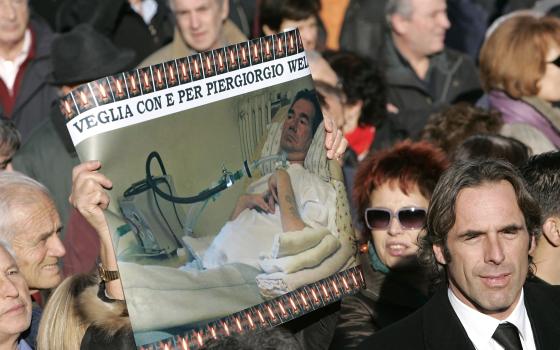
(386, 299)
(435, 326)
(452, 77)
(117, 20)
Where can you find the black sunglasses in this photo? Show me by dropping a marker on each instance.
(410, 218)
(556, 62)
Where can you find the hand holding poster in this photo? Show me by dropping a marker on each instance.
(226, 214)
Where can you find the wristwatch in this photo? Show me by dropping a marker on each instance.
(107, 275)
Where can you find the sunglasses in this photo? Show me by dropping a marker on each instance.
(556, 62)
(410, 218)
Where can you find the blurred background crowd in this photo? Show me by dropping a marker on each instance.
(414, 85)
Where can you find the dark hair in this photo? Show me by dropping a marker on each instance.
(361, 80)
(310, 96)
(493, 146)
(450, 127)
(542, 174)
(273, 12)
(408, 163)
(554, 11)
(10, 139)
(441, 212)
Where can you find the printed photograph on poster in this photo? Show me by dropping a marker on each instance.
(225, 212)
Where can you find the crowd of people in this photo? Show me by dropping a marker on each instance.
(445, 119)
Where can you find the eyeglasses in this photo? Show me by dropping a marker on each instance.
(410, 218)
(556, 62)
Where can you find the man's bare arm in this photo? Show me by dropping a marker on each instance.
(257, 201)
(281, 187)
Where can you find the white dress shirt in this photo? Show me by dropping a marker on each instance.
(481, 327)
(147, 9)
(9, 69)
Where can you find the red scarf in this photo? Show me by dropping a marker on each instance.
(360, 139)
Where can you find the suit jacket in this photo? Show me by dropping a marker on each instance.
(435, 326)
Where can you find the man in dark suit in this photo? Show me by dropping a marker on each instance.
(481, 227)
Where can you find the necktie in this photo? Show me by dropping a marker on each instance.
(507, 336)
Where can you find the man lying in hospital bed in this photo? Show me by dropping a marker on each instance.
(295, 201)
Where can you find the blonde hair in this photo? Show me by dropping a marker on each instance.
(62, 326)
(513, 59)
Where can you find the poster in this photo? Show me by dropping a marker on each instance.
(226, 215)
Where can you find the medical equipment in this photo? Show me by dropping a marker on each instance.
(150, 205)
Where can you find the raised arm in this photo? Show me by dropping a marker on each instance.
(89, 196)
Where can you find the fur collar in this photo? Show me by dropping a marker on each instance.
(111, 316)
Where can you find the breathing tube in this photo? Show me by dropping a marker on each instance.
(227, 180)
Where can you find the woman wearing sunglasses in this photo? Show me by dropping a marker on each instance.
(392, 189)
(520, 67)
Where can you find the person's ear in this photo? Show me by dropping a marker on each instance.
(399, 24)
(267, 31)
(551, 230)
(438, 252)
(225, 10)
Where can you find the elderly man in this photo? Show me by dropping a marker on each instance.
(201, 25)
(30, 223)
(422, 75)
(481, 227)
(24, 65)
(15, 303)
(542, 173)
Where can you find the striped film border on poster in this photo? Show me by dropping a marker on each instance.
(268, 314)
(179, 71)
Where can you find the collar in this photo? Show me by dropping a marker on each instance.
(147, 9)
(481, 327)
(374, 260)
(22, 345)
(546, 109)
(25, 49)
(399, 71)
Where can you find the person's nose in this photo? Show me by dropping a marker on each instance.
(8, 288)
(493, 249)
(444, 21)
(55, 246)
(7, 9)
(292, 123)
(395, 227)
(307, 37)
(194, 21)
